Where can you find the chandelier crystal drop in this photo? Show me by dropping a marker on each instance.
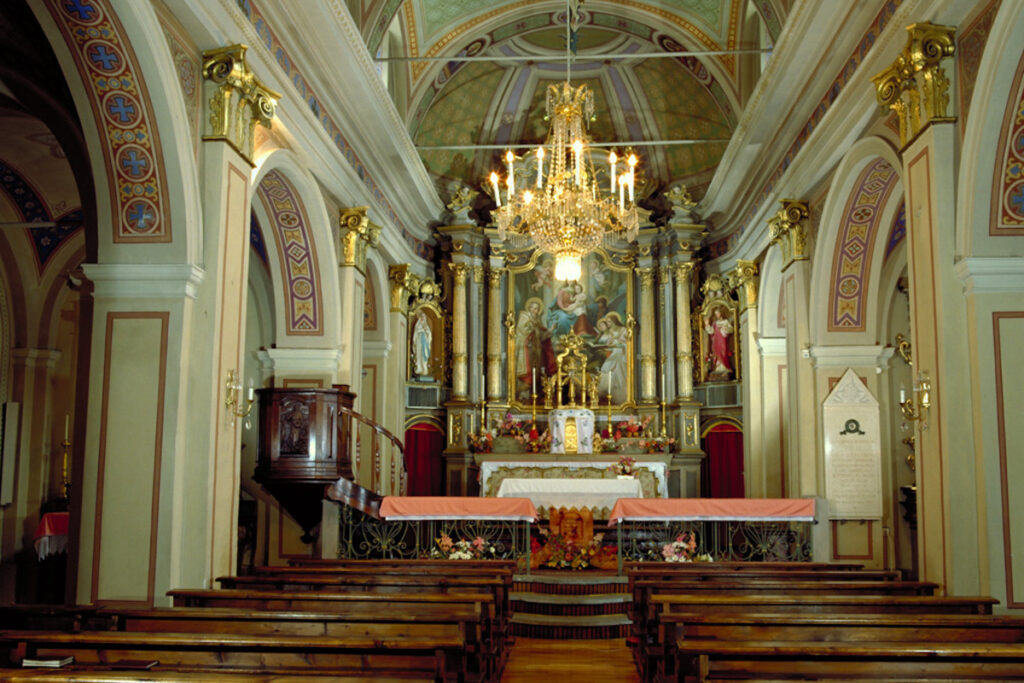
(566, 213)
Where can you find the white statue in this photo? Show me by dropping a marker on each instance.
(422, 338)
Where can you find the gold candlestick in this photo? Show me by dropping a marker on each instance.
(483, 417)
(664, 433)
(65, 479)
(610, 431)
(533, 409)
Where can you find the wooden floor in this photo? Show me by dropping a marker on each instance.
(566, 661)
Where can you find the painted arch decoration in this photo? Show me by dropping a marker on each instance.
(851, 263)
(296, 252)
(126, 124)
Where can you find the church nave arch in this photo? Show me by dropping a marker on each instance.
(865, 197)
(301, 255)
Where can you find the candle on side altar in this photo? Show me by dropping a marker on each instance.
(67, 424)
(534, 380)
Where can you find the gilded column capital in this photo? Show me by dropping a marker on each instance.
(646, 276)
(460, 271)
(683, 271)
(915, 86)
(355, 234)
(401, 285)
(745, 276)
(494, 276)
(788, 229)
(237, 99)
(478, 275)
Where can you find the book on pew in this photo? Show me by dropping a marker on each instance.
(48, 663)
(134, 664)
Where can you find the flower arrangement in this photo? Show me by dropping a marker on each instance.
(630, 428)
(625, 467)
(684, 549)
(561, 552)
(659, 444)
(511, 427)
(477, 549)
(533, 442)
(481, 443)
(680, 550)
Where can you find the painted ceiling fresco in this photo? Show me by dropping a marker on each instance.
(690, 104)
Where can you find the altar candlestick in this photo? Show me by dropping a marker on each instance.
(903, 395)
(67, 423)
(534, 390)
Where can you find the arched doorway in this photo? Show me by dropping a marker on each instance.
(722, 441)
(424, 443)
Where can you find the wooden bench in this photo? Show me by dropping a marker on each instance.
(710, 660)
(441, 657)
(828, 628)
(648, 639)
(405, 607)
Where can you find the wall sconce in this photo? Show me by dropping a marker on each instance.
(903, 349)
(233, 396)
(916, 409)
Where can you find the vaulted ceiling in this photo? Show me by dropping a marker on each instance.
(689, 105)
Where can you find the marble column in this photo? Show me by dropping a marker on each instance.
(684, 332)
(460, 271)
(648, 361)
(495, 336)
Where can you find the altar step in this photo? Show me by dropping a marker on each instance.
(570, 605)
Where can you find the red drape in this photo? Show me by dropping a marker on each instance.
(723, 467)
(424, 443)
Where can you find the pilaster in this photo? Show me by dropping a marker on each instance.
(648, 360)
(744, 280)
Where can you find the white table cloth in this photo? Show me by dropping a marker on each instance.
(570, 493)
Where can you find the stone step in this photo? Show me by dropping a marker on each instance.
(558, 599)
(575, 627)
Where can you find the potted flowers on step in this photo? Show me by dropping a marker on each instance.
(625, 468)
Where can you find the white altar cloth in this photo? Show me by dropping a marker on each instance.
(571, 493)
(489, 467)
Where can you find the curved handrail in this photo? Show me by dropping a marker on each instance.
(373, 425)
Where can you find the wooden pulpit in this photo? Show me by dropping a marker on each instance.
(304, 448)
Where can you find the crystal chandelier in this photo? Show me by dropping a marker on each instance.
(565, 213)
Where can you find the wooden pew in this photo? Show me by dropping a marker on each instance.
(829, 628)
(738, 565)
(440, 658)
(652, 650)
(710, 660)
(366, 605)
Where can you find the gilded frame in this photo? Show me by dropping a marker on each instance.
(607, 298)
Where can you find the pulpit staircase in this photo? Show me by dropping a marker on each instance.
(576, 605)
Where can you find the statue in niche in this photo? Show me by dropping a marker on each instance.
(422, 345)
(719, 330)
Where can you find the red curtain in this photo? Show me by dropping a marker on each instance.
(723, 466)
(424, 443)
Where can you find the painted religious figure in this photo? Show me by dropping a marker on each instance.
(719, 330)
(535, 356)
(611, 342)
(422, 345)
(547, 310)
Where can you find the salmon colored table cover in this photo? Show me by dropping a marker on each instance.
(713, 509)
(413, 508)
(51, 535)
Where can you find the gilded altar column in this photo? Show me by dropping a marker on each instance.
(648, 362)
(684, 334)
(460, 271)
(944, 303)
(494, 331)
(743, 279)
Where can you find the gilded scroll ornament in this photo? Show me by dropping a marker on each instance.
(915, 86)
(237, 99)
(788, 229)
(355, 234)
(400, 280)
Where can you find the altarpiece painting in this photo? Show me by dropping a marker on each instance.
(598, 308)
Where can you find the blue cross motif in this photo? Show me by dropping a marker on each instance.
(140, 215)
(121, 109)
(85, 11)
(132, 163)
(109, 60)
(1017, 199)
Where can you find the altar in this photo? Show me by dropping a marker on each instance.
(599, 495)
(495, 468)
